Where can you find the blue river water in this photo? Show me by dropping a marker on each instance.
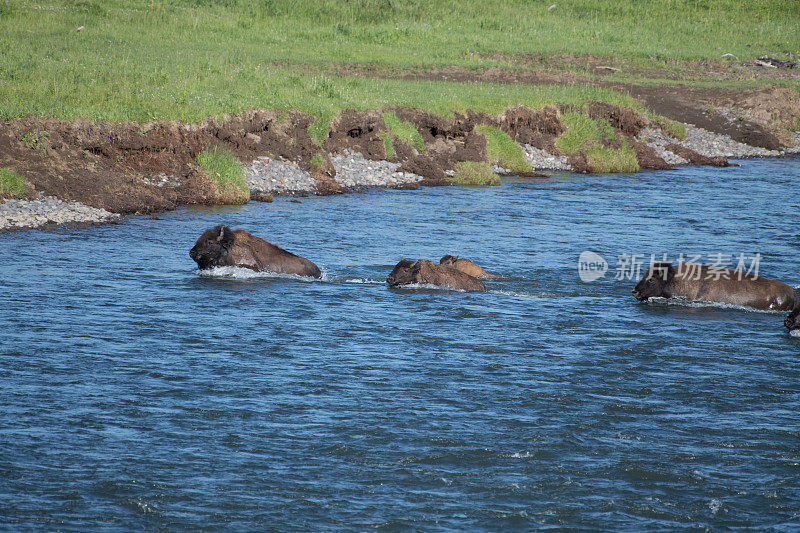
(138, 394)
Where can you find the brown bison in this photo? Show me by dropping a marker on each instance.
(464, 265)
(423, 271)
(793, 320)
(222, 246)
(692, 281)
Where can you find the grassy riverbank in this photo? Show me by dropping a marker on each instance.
(428, 85)
(188, 60)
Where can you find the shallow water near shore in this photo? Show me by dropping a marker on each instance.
(138, 394)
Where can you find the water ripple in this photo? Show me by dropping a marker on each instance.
(140, 393)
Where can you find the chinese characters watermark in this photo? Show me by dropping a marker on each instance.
(713, 266)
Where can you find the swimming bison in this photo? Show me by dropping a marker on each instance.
(424, 271)
(692, 281)
(464, 265)
(222, 246)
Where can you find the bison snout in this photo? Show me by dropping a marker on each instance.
(788, 322)
(635, 293)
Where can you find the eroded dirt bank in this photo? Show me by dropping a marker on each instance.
(140, 168)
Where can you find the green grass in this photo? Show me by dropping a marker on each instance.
(586, 135)
(227, 174)
(191, 59)
(319, 129)
(436, 32)
(404, 131)
(473, 173)
(12, 184)
(36, 141)
(503, 150)
(674, 129)
(581, 132)
(388, 145)
(318, 160)
(609, 161)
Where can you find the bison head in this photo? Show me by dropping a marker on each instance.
(656, 282)
(793, 320)
(211, 249)
(404, 273)
(448, 260)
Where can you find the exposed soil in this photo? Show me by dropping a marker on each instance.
(694, 107)
(695, 158)
(763, 115)
(728, 68)
(648, 157)
(360, 131)
(538, 128)
(139, 168)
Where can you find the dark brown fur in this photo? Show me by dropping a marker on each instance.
(464, 265)
(692, 281)
(222, 246)
(407, 272)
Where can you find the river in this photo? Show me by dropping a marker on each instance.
(138, 394)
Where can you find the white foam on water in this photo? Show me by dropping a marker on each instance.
(678, 302)
(365, 281)
(244, 274)
(519, 455)
(795, 333)
(521, 294)
(427, 286)
(715, 505)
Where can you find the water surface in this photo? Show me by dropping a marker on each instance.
(138, 394)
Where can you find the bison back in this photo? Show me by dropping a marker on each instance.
(735, 288)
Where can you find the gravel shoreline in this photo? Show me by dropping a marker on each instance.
(355, 172)
(50, 211)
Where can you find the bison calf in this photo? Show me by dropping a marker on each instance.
(464, 265)
(424, 271)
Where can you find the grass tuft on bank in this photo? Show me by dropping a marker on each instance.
(404, 131)
(610, 161)
(503, 150)
(587, 136)
(227, 174)
(668, 127)
(581, 132)
(12, 185)
(473, 173)
(321, 127)
(388, 145)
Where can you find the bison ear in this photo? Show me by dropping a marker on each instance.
(221, 235)
(670, 272)
(225, 237)
(225, 234)
(663, 270)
